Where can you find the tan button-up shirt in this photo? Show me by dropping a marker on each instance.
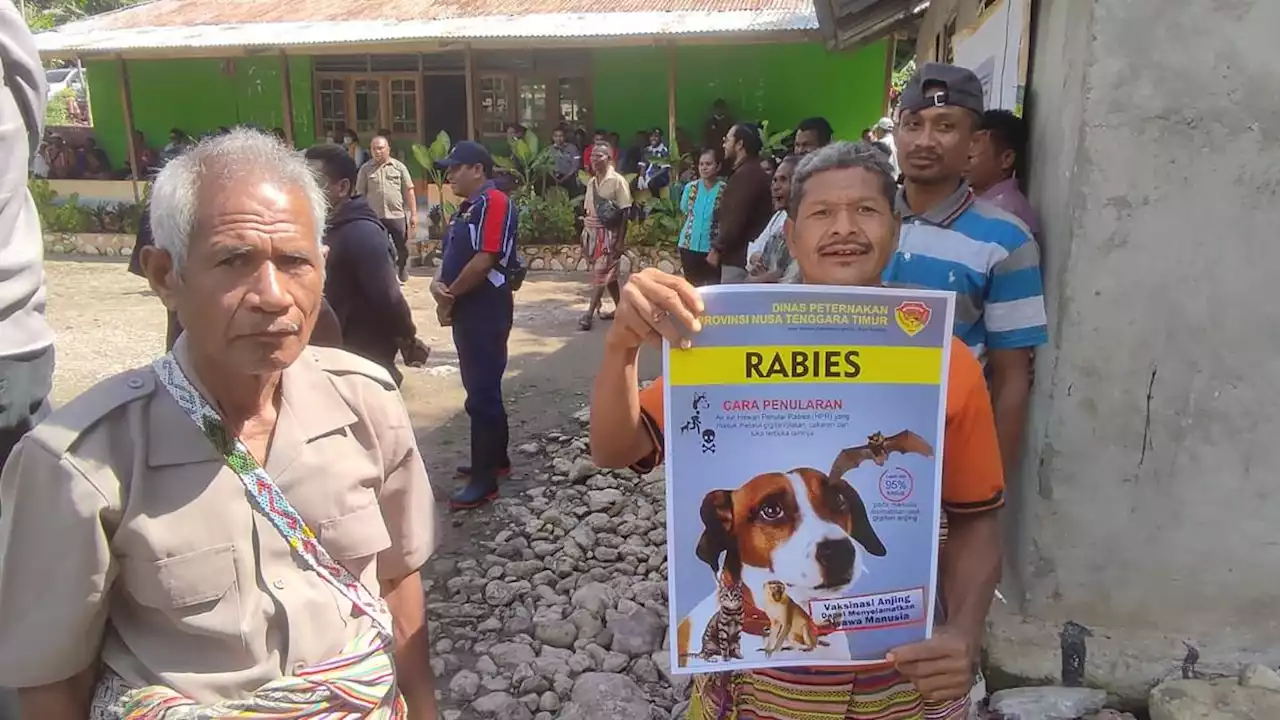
(123, 526)
(612, 187)
(384, 186)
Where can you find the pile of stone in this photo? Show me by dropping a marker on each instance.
(563, 614)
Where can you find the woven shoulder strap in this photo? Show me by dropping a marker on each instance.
(266, 496)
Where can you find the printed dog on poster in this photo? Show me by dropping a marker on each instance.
(800, 528)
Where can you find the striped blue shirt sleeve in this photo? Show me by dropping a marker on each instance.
(1014, 313)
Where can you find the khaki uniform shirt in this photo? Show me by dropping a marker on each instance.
(123, 527)
(613, 186)
(383, 186)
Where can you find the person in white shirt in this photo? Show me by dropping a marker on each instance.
(883, 133)
(768, 258)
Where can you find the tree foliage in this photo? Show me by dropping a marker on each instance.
(902, 75)
(44, 15)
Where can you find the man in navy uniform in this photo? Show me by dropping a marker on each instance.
(473, 293)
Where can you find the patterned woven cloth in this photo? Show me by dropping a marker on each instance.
(797, 694)
(358, 683)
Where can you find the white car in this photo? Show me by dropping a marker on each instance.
(60, 79)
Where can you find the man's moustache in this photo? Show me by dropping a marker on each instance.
(283, 328)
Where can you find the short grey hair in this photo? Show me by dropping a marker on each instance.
(841, 156)
(242, 154)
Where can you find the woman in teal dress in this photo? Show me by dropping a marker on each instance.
(699, 203)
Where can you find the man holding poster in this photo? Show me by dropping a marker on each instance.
(842, 231)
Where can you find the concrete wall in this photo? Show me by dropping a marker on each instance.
(1146, 509)
(198, 96)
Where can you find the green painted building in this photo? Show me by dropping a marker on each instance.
(313, 70)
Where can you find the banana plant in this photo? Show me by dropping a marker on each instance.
(528, 162)
(429, 157)
(774, 144)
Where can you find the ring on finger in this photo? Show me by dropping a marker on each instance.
(660, 315)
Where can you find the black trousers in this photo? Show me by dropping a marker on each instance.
(481, 329)
(398, 227)
(697, 270)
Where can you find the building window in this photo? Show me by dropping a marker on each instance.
(404, 107)
(368, 103)
(538, 102)
(533, 104)
(496, 108)
(573, 102)
(332, 99)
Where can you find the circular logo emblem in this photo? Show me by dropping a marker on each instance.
(896, 484)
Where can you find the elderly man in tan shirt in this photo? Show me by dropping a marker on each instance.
(387, 186)
(238, 528)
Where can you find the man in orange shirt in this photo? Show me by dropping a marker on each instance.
(842, 230)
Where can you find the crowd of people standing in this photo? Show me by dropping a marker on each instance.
(907, 214)
(239, 527)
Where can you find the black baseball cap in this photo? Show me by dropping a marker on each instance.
(960, 88)
(468, 152)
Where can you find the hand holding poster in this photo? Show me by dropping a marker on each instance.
(804, 442)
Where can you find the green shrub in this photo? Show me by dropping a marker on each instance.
(72, 217)
(67, 217)
(129, 217)
(56, 112)
(548, 219)
(661, 225)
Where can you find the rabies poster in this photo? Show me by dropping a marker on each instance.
(804, 437)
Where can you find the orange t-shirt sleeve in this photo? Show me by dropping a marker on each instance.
(651, 415)
(972, 473)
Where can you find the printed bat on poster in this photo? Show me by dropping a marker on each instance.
(878, 449)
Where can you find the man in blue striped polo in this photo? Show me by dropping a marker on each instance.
(952, 241)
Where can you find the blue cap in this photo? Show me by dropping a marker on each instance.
(467, 152)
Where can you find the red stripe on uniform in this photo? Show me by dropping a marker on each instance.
(494, 224)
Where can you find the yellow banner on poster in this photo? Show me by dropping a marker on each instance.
(785, 364)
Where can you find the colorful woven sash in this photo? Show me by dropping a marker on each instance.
(358, 683)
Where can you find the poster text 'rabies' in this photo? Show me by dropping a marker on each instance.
(815, 364)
